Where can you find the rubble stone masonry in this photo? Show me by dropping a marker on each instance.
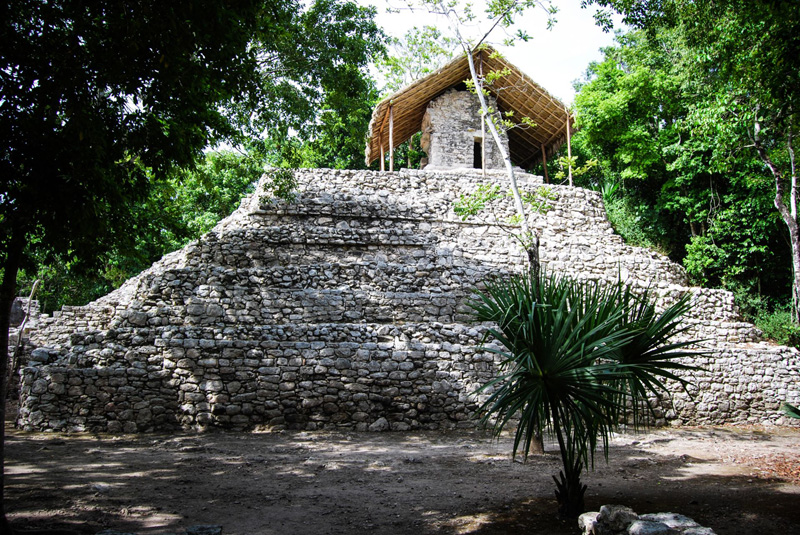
(346, 309)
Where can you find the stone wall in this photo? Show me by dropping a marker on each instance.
(347, 309)
(450, 129)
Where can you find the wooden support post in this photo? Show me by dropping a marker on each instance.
(569, 149)
(544, 164)
(391, 138)
(483, 123)
(483, 145)
(383, 158)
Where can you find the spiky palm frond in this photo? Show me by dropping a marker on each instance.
(577, 356)
(650, 356)
(790, 410)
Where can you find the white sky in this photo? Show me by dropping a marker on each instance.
(553, 58)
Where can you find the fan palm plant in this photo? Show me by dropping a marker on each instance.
(791, 410)
(578, 359)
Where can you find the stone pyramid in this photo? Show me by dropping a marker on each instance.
(346, 309)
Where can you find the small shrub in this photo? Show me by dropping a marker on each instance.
(281, 184)
(579, 357)
(629, 224)
(779, 327)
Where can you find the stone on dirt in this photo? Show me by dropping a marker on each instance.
(622, 520)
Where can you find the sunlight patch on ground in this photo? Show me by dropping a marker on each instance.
(464, 524)
(692, 470)
(27, 469)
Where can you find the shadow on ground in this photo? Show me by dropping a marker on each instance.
(390, 483)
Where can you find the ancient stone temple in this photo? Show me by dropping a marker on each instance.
(452, 136)
(346, 309)
(448, 116)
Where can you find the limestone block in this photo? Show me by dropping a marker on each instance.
(647, 527)
(381, 424)
(614, 518)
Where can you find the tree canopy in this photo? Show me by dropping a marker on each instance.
(101, 101)
(419, 53)
(693, 117)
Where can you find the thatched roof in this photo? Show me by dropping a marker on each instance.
(515, 92)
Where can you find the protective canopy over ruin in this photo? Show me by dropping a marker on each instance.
(398, 117)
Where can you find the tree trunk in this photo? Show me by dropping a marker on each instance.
(526, 233)
(533, 257)
(14, 361)
(7, 295)
(787, 216)
(529, 240)
(569, 489)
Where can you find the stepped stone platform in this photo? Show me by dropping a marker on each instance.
(346, 309)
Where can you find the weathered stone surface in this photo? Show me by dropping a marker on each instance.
(204, 530)
(451, 129)
(673, 520)
(622, 520)
(191, 530)
(347, 308)
(587, 522)
(614, 519)
(39, 355)
(381, 424)
(648, 527)
(698, 531)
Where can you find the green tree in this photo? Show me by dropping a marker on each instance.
(685, 186)
(629, 113)
(578, 359)
(316, 95)
(177, 210)
(497, 14)
(99, 101)
(419, 53)
(748, 54)
(192, 201)
(337, 141)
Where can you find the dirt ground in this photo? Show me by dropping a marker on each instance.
(736, 481)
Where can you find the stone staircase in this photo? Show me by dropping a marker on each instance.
(347, 309)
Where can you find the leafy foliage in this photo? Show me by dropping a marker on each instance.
(106, 108)
(778, 326)
(661, 134)
(740, 91)
(578, 358)
(473, 203)
(791, 410)
(419, 53)
(632, 223)
(280, 184)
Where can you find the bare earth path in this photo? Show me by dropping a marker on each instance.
(736, 481)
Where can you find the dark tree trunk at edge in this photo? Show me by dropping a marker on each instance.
(7, 295)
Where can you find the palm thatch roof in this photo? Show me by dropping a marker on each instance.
(514, 91)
